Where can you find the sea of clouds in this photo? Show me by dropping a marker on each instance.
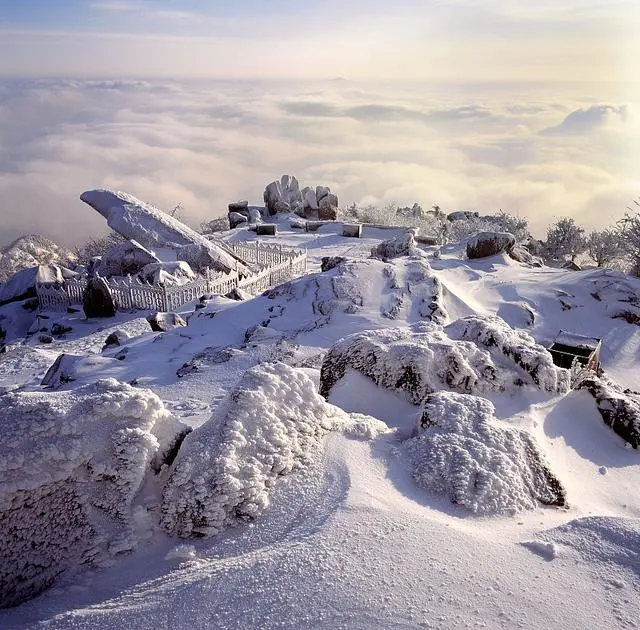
(534, 150)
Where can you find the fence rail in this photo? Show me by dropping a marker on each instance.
(276, 265)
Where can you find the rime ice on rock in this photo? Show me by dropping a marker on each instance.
(272, 424)
(140, 221)
(469, 356)
(459, 452)
(71, 464)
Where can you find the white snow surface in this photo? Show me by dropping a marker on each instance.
(353, 541)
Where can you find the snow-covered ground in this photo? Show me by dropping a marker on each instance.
(352, 528)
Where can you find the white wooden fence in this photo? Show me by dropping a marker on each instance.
(276, 265)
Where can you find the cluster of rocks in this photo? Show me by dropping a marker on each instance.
(285, 196)
(317, 203)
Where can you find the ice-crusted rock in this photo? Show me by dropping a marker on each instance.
(136, 220)
(461, 453)
(329, 262)
(167, 273)
(72, 367)
(124, 259)
(284, 196)
(116, 338)
(22, 285)
(619, 408)
(236, 219)
(402, 245)
(272, 424)
(164, 322)
(490, 243)
(466, 357)
(521, 254)
(517, 346)
(462, 215)
(97, 299)
(71, 464)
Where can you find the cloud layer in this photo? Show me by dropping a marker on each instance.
(205, 143)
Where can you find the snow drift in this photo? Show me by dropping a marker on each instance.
(471, 355)
(71, 464)
(272, 424)
(484, 468)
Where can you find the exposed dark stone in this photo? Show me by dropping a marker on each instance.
(45, 339)
(116, 338)
(236, 294)
(521, 254)
(620, 409)
(163, 322)
(60, 329)
(30, 305)
(329, 262)
(489, 244)
(97, 299)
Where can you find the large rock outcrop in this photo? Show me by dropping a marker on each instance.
(71, 465)
(272, 424)
(462, 453)
(490, 243)
(472, 355)
(317, 203)
(136, 220)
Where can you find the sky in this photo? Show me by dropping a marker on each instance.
(358, 39)
(471, 104)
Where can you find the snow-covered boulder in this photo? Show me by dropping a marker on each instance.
(272, 424)
(68, 368)
(490, 243)
(97, 299)
(136, 220)
(518, 347)
(236, 219)
(71, 465)
(115, 339)
(284, 196)
(164, 322)
(22, 285)
(427, 358)
(124, 259)
(167, 273)
(619, 408)
(462, 215)
(460, 452)
(521, 254)
(329, 262)
(402, 245)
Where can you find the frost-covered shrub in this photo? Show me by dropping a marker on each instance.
(471, 355)
(272, 424)
(71, 464)
(460, 453)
